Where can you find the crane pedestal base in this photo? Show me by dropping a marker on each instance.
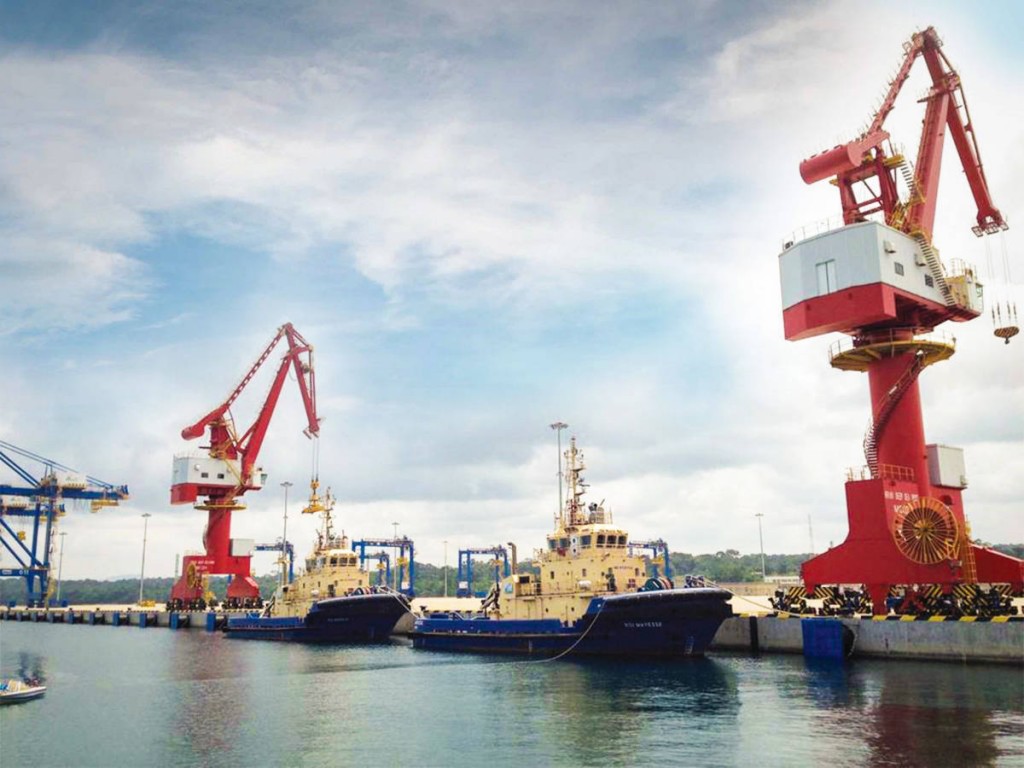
(871, 558)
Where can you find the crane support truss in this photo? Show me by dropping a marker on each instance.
(40, 501)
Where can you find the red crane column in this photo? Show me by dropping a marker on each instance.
(884, 285)
(230, 471)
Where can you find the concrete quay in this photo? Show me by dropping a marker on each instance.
(966, 640)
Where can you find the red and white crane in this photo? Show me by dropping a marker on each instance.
(228, 471)
(880, 281)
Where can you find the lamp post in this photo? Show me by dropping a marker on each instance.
(60, 564)
(142, 571)
(760, 536)
(558, 426)
(400, 553)
(446, 567)
(284, 535)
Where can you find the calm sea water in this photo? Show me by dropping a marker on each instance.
(129, 696)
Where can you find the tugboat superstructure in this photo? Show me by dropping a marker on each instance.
(590, 596)
(332, 601)
(585, 557)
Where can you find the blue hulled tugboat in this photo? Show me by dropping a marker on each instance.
(331, 602)
(591, 597)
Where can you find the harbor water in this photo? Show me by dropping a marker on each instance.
(130, 696)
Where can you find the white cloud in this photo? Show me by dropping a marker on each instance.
(547, 167)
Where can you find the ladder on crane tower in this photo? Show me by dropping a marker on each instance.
(892, 399)
(930, 256)
(968, 565)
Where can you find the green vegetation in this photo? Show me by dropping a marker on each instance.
(725, 566)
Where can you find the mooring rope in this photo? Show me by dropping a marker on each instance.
(573, 646)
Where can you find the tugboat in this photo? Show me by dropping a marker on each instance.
(591, 597)
(332, 602)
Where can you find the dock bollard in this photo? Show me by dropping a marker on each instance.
(143, 620)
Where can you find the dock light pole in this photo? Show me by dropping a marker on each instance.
(60, 564)
(142, 571)
(760, 536)
(284, 535)
(445, 567)
(400, 552)
(558, 426)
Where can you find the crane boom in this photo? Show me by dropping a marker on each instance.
(854, 163)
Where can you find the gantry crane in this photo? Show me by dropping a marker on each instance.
(405, 560)
(498, 564)
(40, 498)
(228, 471)
(882, 283)
(660, 557)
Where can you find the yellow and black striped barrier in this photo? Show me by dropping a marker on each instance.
(935, 619)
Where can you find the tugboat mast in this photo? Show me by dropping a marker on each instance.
(577, 486)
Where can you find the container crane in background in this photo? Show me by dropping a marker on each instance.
(230, 470)
(499, 566)
(882, 283)
(40, 499)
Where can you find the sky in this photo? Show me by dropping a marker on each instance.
(486, 218)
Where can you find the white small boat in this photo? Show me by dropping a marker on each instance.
(15, 691)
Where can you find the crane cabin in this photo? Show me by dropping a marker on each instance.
(869, 274)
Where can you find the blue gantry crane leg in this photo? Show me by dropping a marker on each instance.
(465, 572)
(383, 567)
(40, 499)
(659, 551)
(277, 546)
(405, 563)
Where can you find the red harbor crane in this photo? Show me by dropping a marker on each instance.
(879, 280)
(215, 482)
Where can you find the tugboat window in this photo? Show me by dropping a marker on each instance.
(585, 541)
(622, 541)
(898, 267)
(928, 281)
(600, 540)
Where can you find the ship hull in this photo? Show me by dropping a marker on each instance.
(676, 623)
(353, 619)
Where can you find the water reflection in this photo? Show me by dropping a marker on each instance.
(600, 711)
(914, 713)
(834, 685)
(940, 714)
(210, 710)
